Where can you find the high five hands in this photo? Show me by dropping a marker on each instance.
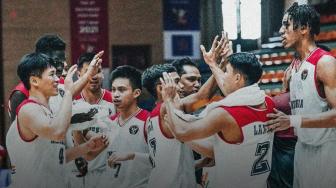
(219, 50)
(169, 87)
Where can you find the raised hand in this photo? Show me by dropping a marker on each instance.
(218, 51)
(169, 87)
(68, 81)
(97, 142)
(226, 49)
(279, 121)
(95, 63)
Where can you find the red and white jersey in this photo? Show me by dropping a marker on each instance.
(130, 137)
(106, 102)
(20, 87)
(306, 98)
(247, 163)
(38, 162)
(172, 160)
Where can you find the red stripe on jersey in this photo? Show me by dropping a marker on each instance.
(61, 80)
(156, 112)
(22, 88)
(313, 59)
(78, 97)
(245, 115)
(113, 117)
(27, 101)
(107, 96)
(316, 56)
(143, 115)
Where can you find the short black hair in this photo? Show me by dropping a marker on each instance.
(84, 58)
(128, 72)
(248, 65)
(180, 63)
(151, 76)
(33, 64)
(304, 15)
(48, 43)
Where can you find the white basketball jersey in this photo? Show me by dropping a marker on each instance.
(305, 98)
(38, 162)
(246, 164)
(172, 161)
(104, 101)
(129, 138)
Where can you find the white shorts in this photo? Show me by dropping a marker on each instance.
(315, 166)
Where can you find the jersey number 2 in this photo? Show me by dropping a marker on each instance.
(261, 165)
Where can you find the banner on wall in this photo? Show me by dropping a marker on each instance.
(181, 20)
(89, 28)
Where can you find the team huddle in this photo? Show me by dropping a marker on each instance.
(68, 133)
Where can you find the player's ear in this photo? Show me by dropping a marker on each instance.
(33, 80)
(158, 88)
(136, 93)
(304, 29)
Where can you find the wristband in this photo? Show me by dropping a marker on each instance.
(295, 121)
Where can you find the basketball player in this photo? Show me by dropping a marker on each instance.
(312, 91)
(128, 158)
(190, 76)
(170, 158)
(94, 95)
(172, 161)
(35, 141)
(241, 145)
(54, 47)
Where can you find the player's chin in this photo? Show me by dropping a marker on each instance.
(54, 92)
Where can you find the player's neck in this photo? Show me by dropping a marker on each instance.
(39, 97)
(126, 113)
(304, 48)
(92, 97)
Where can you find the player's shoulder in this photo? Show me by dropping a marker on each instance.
(29, 108)
(320, 56)
(157, 109)
(143, 115)
(107, 95)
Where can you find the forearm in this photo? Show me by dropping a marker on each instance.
(80, 84)
(218, 75)
(178, 127)
(93, 154)
(61, 122)
(323, 120)
(206, 92)
(203, 147)
(78, 137)
(75, 152)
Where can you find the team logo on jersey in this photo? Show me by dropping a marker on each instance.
(133, 129)
(61, 92)
(304, 74)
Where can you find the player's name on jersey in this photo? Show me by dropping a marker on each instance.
(57, 142)
(298, 103)
(260, 129)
